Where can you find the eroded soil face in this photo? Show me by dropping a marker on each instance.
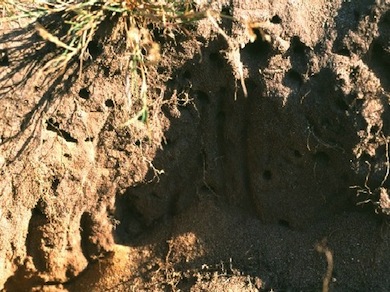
(218, 191)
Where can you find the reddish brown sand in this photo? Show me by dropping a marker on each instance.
(218, 191)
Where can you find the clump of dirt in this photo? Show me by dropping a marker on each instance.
(218, 190)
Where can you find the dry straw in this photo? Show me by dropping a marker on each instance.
(82, 19)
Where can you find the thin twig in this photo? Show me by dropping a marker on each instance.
(322, 247)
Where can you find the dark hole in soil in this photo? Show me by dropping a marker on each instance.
(259, 47)
(34, 236)
(227, 10)
(354, 72)
(106, 71)
(267, 175)
(4, 60)
(68, 137)
(84, 93)
(89, 139)
(150, 26)
(86, 224)
(284, 223)
(69, 273)
(297, 46)
(95, 7)
(109, 103)
(139, 142)
(276, 19)
(156, 32)
(38, 210)
(54, 184)
(130, 226)
(344, 52)
(140, 118)
(95, 49)
(53, 126)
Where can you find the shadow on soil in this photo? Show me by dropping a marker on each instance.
(233, 163)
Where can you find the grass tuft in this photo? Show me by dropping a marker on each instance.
(81, 21)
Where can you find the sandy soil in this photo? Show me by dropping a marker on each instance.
(285, 189)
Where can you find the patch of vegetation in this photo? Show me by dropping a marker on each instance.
(76, 24)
